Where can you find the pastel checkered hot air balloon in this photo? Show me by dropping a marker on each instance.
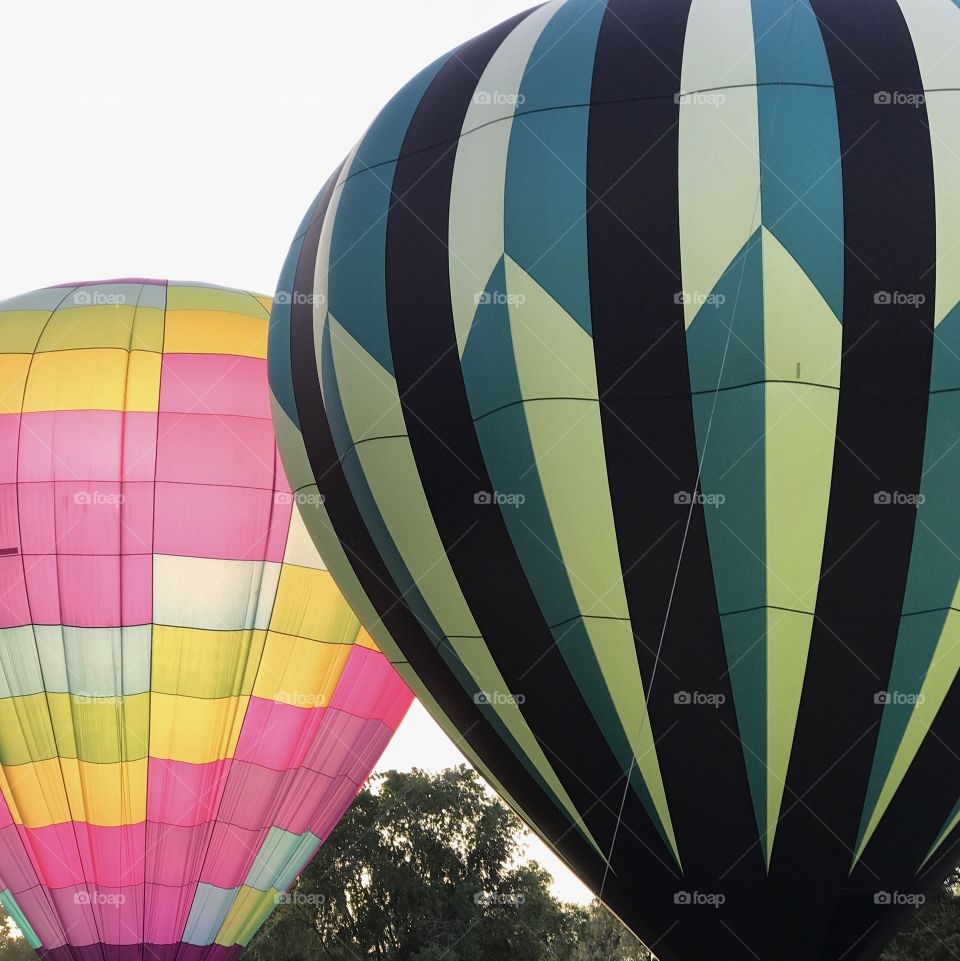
(625, 349)
(187, 703)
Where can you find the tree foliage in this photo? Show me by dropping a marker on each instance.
(13, 947)
(424, 867)
(933, 934)
(604, 937)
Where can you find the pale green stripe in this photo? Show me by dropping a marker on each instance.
(801, 333)
(719, 200)
(480, 171)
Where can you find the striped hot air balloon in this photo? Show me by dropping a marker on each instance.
(625, 349)
(187, 703)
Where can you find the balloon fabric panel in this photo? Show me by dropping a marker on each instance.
(187, 703)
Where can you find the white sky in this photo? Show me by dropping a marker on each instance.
(186, 138)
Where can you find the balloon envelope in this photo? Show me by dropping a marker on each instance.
(625, 348)
(187, 703)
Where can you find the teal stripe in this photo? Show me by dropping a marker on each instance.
(383, 140)
(801, 181)
(278, 342)
(545, 226)
(20, 671)
(357, 291)
(725, 345)
(208, 912)
(47, 299)
(95, 662)
(280, 850)
(726, 335)
(306, 849)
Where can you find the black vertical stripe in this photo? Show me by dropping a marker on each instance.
(376, 581)
(889, 226)
(478, 544)
(651, 455)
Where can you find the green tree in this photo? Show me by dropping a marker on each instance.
(933, 933)
(422, 868)
(603, 938)
(13, 946)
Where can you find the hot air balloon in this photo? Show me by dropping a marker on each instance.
(187, 703)
(625, 351)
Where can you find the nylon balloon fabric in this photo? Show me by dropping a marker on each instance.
(625, 350)
(187, 703)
